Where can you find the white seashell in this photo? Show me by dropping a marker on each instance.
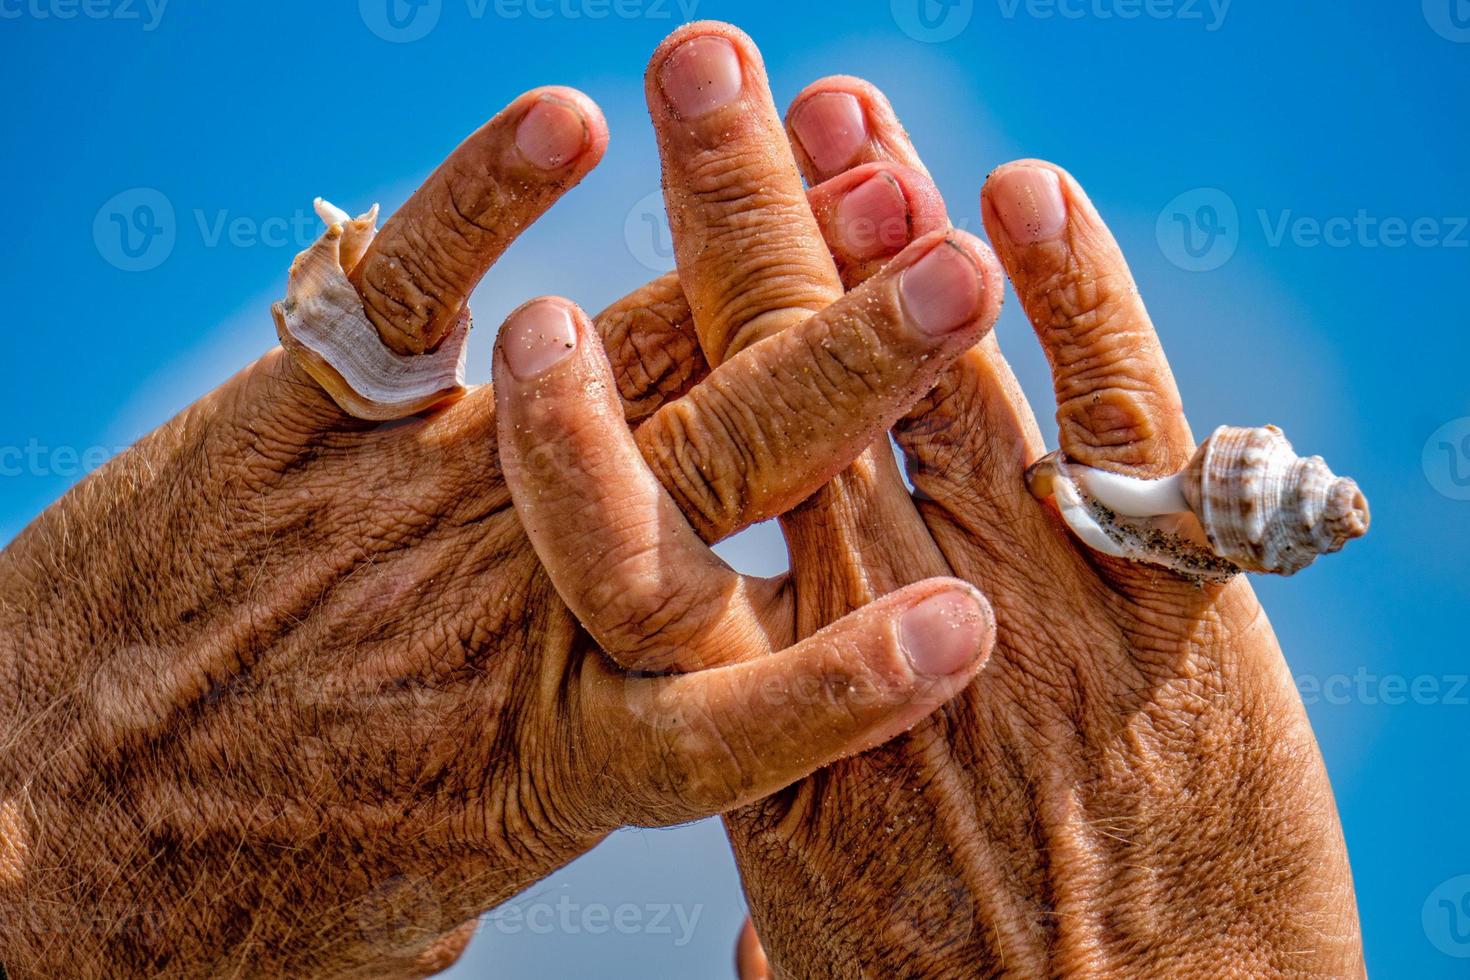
(1246, 502)
(322, 324)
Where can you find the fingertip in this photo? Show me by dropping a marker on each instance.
(701, 67)
(991, 272)
(560, 127)
(835, 119)
(539, 335)
(874, 210)
(942, 282)
(946, 628)
(841, 121)
(865, 92)
(699, 29)
(1025, 202)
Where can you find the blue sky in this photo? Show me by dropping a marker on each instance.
(1314, 154)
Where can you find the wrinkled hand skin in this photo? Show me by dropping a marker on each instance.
(284, 693)
(264, 707)
(225, 716)
(1132, 787)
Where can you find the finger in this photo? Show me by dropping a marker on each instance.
(650, 339)
(722, 738)
(419, 271)
(772, 425)
(870, 213)
(749, 252)
(968, 441)
(750, 957)
(623, 558)
(759, 435)
(867, 216)
(841, 122)
(1117, 405)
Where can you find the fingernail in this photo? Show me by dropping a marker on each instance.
(873, 219)
(701, 75)
(941, 291)
(944, 633)
(537, 337)
(831, 128)
(551, 135)
(1029, 202)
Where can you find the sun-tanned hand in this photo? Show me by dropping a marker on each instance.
(287, 693)
(1132, 787)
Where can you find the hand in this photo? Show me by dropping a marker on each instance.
(1132, 787)
(1140, 770)
(288, 693)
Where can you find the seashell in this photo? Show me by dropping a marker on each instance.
(1245, 502)
(322, 324)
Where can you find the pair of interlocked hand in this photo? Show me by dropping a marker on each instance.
(276, 674)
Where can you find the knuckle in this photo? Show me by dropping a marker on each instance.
(1076, 301)
(850, 367)
(733, 184)
(936, 433)
(653, 350)
(1116, 417)
(477, 200)
(704, 460)
(648, 622)
(745, 219)
(710, 767)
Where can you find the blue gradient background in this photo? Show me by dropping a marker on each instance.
(1359, 349)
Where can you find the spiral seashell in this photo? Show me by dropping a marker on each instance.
(1266, 509)
(322, 324)
(1245, 502)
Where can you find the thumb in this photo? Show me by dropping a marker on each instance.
(706, 742)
